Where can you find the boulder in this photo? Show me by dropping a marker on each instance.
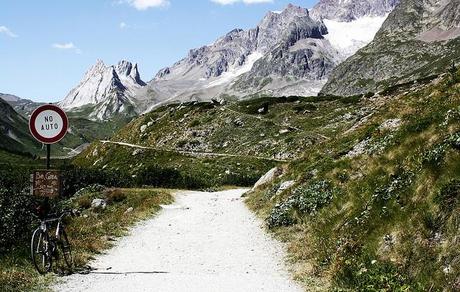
(268, 177)
(284, 186)
(98, 204)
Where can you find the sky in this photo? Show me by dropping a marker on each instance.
(46, 46)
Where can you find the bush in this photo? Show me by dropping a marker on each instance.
(305, 200)
(194, 123)
(435, 156)
(84, 202)
(76, 178)
(454, 140)
(364, 274)
(449, 196)
(114, 196)
(16, 217)
(157, 176)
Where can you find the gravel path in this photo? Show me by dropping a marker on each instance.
(204, 242)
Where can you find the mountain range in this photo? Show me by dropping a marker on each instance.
(418, 40)
(290, 52)
(329, 49)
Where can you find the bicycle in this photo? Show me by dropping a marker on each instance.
(44, 247)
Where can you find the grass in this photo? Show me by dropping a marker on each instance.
(388, 228)
(90, 234)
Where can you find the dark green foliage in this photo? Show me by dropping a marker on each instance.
(16, 217)
(449, 196)
(365, 274)
(76, 178)
(195, 123)
(114, 195)
(157, 176)
(305, 200)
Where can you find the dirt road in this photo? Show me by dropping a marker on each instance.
(204, 242)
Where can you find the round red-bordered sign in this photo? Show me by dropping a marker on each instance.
(48, 124)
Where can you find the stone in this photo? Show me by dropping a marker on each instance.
(284, 186)
(98, 204)
(268, 177)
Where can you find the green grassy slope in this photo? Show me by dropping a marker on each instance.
(376, 208)
(225, 144)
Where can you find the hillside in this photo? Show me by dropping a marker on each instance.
(377, 207)
(418, 39)
(238, 139)
(372, 176)
(14, 130)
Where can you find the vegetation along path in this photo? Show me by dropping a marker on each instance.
(204, 242)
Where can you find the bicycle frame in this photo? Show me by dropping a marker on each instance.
(52, 242)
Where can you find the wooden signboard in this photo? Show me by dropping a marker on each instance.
(46, 183)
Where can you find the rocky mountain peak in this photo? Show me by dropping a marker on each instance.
(349, 10)
(283, 18)
(109, 88)
(420, 38)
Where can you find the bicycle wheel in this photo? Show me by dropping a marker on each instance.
(64, 244)
(41, 254)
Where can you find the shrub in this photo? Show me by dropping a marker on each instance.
(16, 217)
(435, 156)
(454, 140)
(311, 198)
(364, 274)
(194, 123)
(84, 202)
(157, 176)
(449, 196)
(281, 215)
(114, 196)
(305, 200)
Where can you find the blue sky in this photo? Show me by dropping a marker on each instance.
(46, 46)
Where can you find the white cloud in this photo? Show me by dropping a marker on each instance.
(66, 46)
(146, 4)
(228, 2)
(5, 30)
(123, 25)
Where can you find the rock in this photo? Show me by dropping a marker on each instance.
(238, 123)
(359, 149)
(143, 128)
(263, 110)
(447, 269)
(268, 177)
(284, 131)
(137, 152)
(129, 210)
(149, 124)
(98, 204)
(391, 124)
(284, 186)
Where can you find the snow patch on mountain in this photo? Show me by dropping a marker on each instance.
(348, 37)
(235, 71)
